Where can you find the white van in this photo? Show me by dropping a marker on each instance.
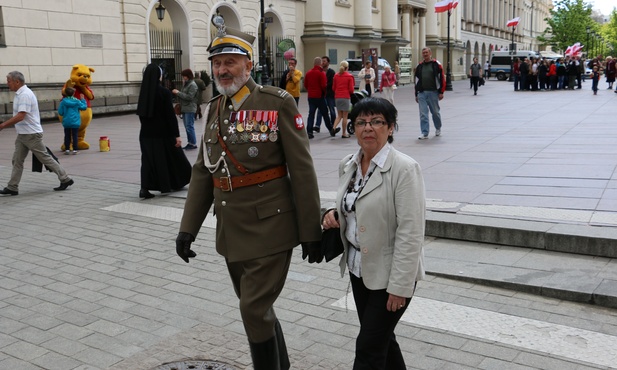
(501, 62)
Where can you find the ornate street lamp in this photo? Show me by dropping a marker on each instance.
(160, 11)
(263, 60)
(448, 74)
(588, 30)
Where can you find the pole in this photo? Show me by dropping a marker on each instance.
(265, 67)
(511, 78)
(448, 75)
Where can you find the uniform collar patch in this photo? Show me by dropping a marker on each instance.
(240, 97)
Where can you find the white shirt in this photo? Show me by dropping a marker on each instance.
(354, 257)
(25, 101)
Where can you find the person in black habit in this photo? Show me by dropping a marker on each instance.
(164, 166)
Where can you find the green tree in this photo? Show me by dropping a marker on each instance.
(609, 33)
(567, 24)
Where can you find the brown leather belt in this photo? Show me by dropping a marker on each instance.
(230, 183)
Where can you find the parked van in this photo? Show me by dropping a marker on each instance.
(501, 62)
(355, 65)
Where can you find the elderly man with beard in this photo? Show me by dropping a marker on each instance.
(255, 167)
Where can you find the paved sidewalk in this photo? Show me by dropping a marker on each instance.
(90, 280)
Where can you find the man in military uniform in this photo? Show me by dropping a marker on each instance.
(255, 166)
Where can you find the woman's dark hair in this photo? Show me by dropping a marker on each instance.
(372, 105)
(187, 73)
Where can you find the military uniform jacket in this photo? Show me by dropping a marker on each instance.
(264, 219)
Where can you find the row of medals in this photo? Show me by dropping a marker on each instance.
(253, 126)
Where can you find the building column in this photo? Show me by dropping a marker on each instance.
(406, 23)
(389, 19)
(363, 12)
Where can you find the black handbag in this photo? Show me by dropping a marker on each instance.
(331, 243)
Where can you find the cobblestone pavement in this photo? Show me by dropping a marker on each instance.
(89, 278)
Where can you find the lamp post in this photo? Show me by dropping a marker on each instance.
(160, 11)
(448, 75)
(265, 67)
(588, 30)
(593, 43)
(511, 48)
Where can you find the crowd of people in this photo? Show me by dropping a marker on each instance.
(540, 74)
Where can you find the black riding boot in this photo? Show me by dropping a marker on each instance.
(265, 355)
(280, 342)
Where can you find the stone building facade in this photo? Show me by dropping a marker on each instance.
(118, 38)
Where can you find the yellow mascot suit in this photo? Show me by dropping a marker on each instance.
(81, 79)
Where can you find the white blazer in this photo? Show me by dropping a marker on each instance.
(390, 214)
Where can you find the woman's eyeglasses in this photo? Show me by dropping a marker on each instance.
(375, 123)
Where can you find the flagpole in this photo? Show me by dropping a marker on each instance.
(448, 75)
(512, 51)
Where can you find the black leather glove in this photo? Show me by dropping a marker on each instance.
(313, 251)
(183, 246)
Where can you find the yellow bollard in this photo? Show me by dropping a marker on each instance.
(104, 144)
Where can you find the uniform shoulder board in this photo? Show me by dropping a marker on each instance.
(274, 90)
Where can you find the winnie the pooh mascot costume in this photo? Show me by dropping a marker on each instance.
(81, 79)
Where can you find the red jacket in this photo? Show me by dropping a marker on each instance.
(343, 85)
(315, 82)
(552, 70)
(387, 79)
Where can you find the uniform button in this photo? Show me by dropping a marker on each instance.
(224, 138)
(362, 229)
(278, 210)
(225, 121)
(209, 140)
(223, 203)
(224, 170)
(223, 153)
(230, 107)
(364, 250)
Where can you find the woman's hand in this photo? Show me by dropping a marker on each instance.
(330, 220)
(178, 142)
(395, 303)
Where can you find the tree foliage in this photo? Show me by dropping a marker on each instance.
(609, 33)
(567, 24)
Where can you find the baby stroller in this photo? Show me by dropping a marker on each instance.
(355, 97)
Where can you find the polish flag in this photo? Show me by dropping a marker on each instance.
(513, 22)
(446, 5)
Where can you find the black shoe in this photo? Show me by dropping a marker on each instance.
(143, 193)
(335, 131)
(310, 136)
(316, 129)
(190, 147)
(7, 191)
(64, 185)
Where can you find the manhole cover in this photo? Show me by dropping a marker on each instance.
(195, 365)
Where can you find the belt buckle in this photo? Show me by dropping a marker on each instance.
(226, 183)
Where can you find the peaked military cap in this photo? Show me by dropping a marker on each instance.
(231, 41)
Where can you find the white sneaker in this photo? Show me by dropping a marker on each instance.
(437, 132)
(422, 137)
(67, 152)
(75, 152)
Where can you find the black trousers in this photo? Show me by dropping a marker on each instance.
(376, 345)
(474, 82)
(258, 284)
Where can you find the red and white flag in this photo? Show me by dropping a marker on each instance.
(446, 5)
(513, 22)
(574, 50)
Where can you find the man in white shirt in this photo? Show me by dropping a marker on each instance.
(27, 121)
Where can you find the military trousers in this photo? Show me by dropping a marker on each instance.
(258, 283)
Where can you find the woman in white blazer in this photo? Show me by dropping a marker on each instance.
(380, 210)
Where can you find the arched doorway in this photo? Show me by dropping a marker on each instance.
(168, 44)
